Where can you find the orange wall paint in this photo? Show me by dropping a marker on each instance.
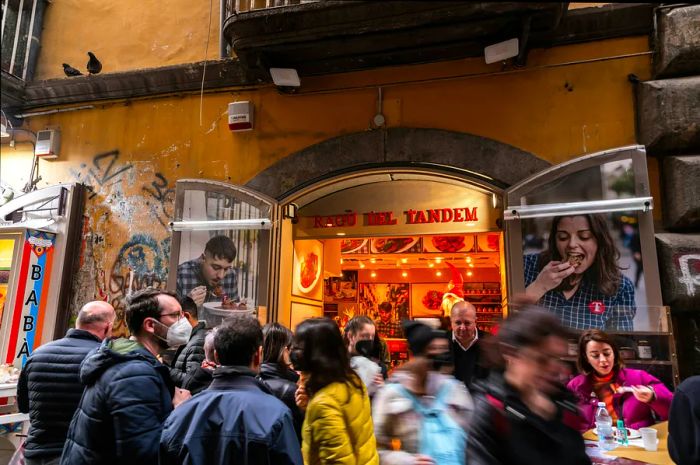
(126, 34)
(156, 141)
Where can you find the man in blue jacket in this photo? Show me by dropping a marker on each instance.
(237, 419)
(128, 392)
(49, 387)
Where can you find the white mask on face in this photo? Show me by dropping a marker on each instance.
(178, 334)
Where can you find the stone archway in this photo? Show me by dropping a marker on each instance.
(503, 163)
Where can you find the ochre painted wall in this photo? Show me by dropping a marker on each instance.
(126, 34)
(131, 153)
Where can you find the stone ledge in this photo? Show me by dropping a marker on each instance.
(667, 115)
(677, 42)
(681, 182)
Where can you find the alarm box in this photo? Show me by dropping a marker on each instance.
(240, 116)
(47, 143)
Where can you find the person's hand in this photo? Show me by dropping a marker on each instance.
(378, 380)
(180, 396)
(420, 459)
(552, 275)
(643, 393)
(301, 398)
(198, 294)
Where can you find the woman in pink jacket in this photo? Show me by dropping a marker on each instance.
(634, 396)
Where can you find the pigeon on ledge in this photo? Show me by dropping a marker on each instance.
(70, 71)
(93, 66)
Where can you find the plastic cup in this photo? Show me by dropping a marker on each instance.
(649, 439)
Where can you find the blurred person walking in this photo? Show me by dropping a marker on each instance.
(520, 411)
(604, 374)
(421, 415)
(684, 423)
(49, 387)
(276, 371)
(236, 419)
(128, 392)
(338, 423)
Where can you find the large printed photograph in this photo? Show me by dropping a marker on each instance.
(587, 269)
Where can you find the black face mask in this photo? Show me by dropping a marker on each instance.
(296, 356)
(441, 360)
(365, 348)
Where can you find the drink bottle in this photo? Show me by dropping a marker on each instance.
(603, 424)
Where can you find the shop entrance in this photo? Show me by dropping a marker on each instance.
(393, 244)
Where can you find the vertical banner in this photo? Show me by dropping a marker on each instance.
(32, 290)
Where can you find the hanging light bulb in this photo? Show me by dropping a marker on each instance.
(438, 273)
(430, 265)
(404, 260)
(362, 265)
(404, 274)
(372, 260)
(469, 273)
(469, 259)
(438, 260)
(471, 265)
(373, 274)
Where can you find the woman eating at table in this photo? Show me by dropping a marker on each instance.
(634, 396)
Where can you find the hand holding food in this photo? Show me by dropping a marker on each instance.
(553, 274)
(643, 393)
(198, 294)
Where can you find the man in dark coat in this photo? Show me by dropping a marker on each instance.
(128, 392)
(49, 387)
(684, 423)
(237, 419)
(465, 343)
(191, 355)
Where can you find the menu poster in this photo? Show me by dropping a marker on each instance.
(308, 269)
(426, 300)
(386, 304)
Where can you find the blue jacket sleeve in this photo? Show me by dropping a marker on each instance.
(285, 448)
(139, 404)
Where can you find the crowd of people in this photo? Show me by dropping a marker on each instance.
(245, 394)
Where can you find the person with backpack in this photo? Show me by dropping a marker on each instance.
(523, 409)
(421, 415)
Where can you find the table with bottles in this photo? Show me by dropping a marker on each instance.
(631, 454)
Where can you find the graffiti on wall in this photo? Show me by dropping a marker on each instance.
(126, 236)
(105, 171)
(141, 262)
(689, 267)
(162, 199)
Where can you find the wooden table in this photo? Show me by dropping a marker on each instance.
(632, 454)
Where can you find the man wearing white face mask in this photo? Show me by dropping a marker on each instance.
(128, 392)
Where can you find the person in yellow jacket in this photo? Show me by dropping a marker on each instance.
(338, 425)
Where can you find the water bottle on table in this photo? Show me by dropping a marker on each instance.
(603, 424)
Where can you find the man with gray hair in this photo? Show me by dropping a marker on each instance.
(49, 387)
(465, 340)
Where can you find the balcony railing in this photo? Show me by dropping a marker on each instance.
(238, 6)
(21, 27)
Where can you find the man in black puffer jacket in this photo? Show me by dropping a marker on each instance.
(128, 392)
(191, 355)
(49, 388)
